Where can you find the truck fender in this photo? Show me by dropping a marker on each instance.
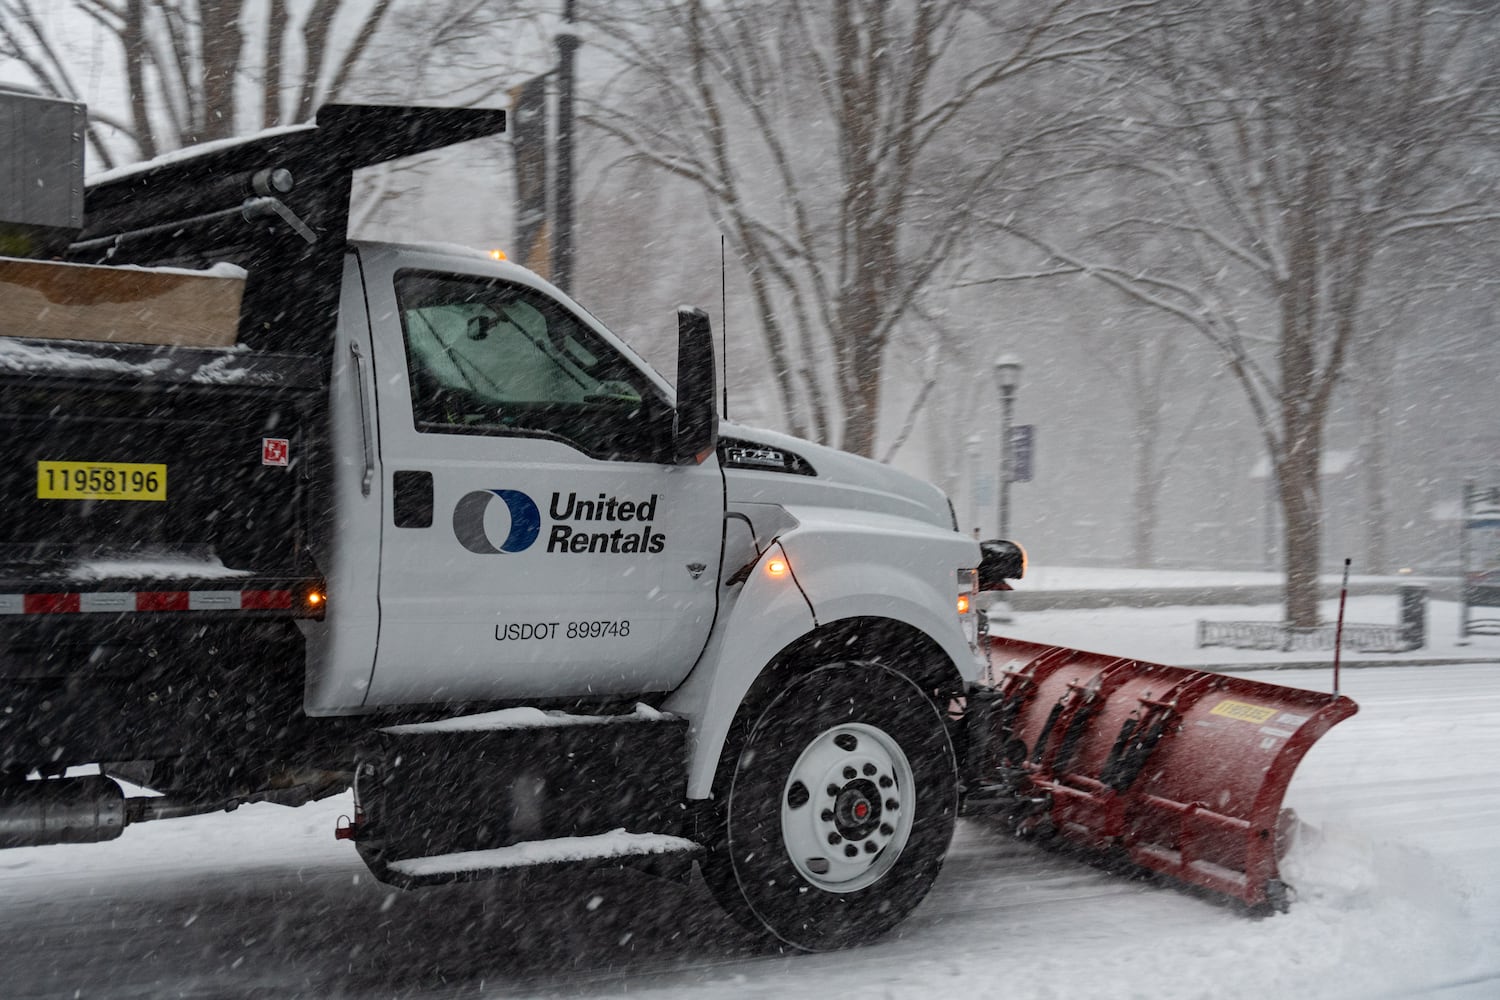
(764, 614)
(863, 564)
(842, 570)
(841, 583)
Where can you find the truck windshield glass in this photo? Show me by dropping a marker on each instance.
(490, 357)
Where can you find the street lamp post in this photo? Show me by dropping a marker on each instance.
(1008, 375)
(562, 246)
(973, 445)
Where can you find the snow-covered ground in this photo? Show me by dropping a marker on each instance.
(1397, 876)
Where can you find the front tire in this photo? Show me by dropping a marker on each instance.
(835, 812)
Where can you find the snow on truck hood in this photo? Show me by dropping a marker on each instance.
(762, 466)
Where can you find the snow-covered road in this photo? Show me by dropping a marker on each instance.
(1398, 883)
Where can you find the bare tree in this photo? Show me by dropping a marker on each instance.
(183, 62)
(830, 140)
(1278, 146)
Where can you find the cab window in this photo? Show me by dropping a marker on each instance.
(490, 357)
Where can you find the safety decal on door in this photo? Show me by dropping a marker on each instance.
(275, 451)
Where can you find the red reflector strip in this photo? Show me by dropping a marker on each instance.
(266, 600)
(125, 602)
(51, 604)
(161, 600)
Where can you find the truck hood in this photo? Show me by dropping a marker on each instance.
(763, 466)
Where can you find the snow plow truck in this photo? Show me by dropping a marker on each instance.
(288, 514)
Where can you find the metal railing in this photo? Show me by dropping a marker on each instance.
(1290, 638)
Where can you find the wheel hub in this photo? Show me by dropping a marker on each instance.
(847, 807)
(856, 810)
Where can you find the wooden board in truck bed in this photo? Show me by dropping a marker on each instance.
(61, 301)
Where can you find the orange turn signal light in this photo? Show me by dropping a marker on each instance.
(776, 567)
(963, 604)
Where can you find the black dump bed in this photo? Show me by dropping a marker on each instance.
(131, 473)
(185, 473)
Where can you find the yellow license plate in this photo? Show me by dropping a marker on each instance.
(100, 481)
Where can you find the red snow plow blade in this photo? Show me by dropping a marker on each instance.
(1180, 771)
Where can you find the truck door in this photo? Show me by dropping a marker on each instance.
(537, 540)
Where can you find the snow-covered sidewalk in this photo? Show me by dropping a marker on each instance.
(1168, 634)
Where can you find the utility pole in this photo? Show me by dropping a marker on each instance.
(562, 247)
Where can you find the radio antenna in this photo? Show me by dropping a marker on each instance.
(724, 324)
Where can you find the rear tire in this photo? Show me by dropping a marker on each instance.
(835, 812)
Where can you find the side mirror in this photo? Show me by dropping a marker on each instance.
(696, 425)
(1000, 560)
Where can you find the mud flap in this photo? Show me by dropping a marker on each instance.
(1180, 771)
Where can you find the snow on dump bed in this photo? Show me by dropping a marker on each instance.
(520, 718)
(26, 358)
(615, 844)
(159, 566)
(223, 269)
(227, 366)
(191, 152)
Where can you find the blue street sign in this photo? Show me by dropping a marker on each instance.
(1022, 447)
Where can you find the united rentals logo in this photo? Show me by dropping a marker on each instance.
(468, 521)
(635, 533)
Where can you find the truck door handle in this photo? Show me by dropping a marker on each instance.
(366, 433)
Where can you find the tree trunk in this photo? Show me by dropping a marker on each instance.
(861, 387)
(1147, 492)
(133, 41)
(1301, 505)
(1374, 393)
(221, 59)
(270, 84)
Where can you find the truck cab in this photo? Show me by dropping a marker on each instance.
(538, 536)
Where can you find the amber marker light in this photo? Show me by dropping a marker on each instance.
(963, 604)
(498, 255)
(776, 568)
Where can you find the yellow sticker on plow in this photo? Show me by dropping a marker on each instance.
(1243, 711)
